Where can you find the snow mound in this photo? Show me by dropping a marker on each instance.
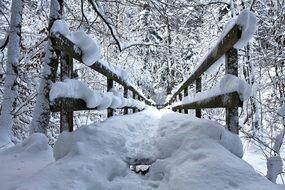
(91, 51)
(184, 151)
(89, 47)
(231, 83)
(35, 143)
(196, 129)
(20, 162)
(281, 111)
(246, 20)
(71, 88)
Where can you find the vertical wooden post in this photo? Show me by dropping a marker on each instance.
(139, 99)
(231, 66)
(198, 89)
(66, 111)
(147, 102)
(125, 96)
(134, 97)
(110, 111)
(174, 100)
(186, 94)
(180, 99)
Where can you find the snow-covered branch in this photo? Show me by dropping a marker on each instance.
(99, 10)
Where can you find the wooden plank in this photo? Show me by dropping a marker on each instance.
(180, 99)
(186, 94)
(231, 67)
(125, 96)
(110, 84)
(218, 51)
(134, 97)
(77, 105)
(64, 44)
(228, 100)
(198, 112)
(66, 112)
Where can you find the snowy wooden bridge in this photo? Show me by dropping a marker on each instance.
(228, 98)
(174, 150)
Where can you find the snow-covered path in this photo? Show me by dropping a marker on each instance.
(187, 153)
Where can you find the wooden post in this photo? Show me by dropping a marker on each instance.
(125, 96)
(186, 94)
(180, 99)
(66, 111)
(231, 66)
(147, 102)
(139, 99)
(110, 111)
(198, 89)
(134, 97)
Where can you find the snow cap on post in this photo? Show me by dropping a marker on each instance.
(246, 21)
(91, 51)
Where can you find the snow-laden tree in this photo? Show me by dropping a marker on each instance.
(10, 83)
(41, 116)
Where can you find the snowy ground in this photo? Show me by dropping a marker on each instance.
(255, 157)
(187, 153)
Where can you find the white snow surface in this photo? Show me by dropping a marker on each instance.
(71, 88)
(90, 48)
(187, 153)
(246, 20)
(23, 160)
(229, 83)
(255, 157)
(281, 111)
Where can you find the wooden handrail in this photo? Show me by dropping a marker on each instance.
(61, 43)
(224, 45)
(66, 106)
(230, 101)
(77, 105)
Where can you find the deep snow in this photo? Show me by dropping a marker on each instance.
(187, 153)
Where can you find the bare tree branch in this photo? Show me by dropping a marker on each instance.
(102, 15)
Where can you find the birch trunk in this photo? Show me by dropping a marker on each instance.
(10, 85)
(41, 115)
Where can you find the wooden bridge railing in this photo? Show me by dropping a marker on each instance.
(66, 106)
(230, 101)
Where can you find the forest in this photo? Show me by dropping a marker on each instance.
(148, 48)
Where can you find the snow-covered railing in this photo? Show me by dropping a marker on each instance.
(64, 44)
(236, 34)
(78, 45)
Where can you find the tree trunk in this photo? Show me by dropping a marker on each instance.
(10, 90)
(42, 110)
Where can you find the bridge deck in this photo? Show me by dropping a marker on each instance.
(183, 152)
